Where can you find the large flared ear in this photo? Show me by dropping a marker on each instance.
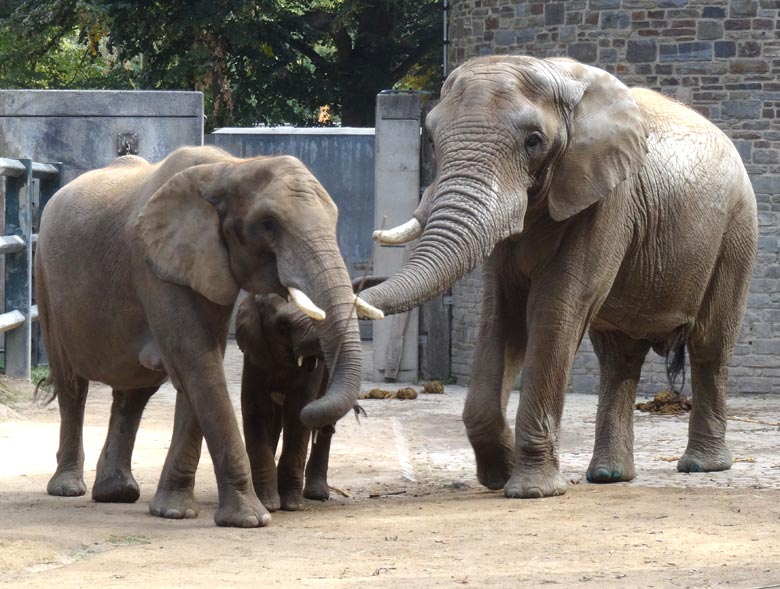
(607, 140)
(181, 235)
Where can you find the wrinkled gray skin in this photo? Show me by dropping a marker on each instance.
(273, 334)
(137, 270)
(592, 207)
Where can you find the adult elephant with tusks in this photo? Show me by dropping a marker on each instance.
(137, 270)
(593, 206)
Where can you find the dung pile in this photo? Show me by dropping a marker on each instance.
(666, 403)
(433, 388)
(402, 394)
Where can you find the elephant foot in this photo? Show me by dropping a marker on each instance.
(121, 487)
(269, 497)
(317, 490)
(535, 483)
(174, 504)
(242, 511)
(66, 483)
(291, 501)
(605, 467)
(495, 463)
(711, 459)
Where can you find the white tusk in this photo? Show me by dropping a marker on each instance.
(366, 310)
(300, 361)
(401, 234)
(316, 363)
(306, 305)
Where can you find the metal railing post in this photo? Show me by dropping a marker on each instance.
(18, 271)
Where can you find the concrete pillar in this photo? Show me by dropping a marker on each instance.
(397, 193)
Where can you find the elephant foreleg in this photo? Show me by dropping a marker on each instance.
(175, 497)
(556, 324)
(620, 360)
(114, 481)
(316, 486)
(68, 479)
(500, 351)
(262, 420)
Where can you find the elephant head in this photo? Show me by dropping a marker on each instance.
(268, 226)
(270, 329)
(511, 135)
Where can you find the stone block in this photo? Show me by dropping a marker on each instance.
(584, 52)
(641, 50)
(554, 13)
(505, 37)
(713, 12)
(615, 20)
(689, 51)
(709, 29)
(743, 8)
(604, 4)
(725, 49)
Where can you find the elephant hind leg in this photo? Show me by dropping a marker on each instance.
(620, 360)
(71, 391)
(710, 345)
(114, 482)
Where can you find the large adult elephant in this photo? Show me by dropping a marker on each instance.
(592, 205)
(138, 267)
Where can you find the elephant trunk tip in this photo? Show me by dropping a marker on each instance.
(319, 414)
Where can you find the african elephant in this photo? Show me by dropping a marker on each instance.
(283, 371)
(593, 206)
(138, 267)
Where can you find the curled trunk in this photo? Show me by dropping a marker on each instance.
(466, 222)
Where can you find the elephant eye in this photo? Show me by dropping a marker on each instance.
(264, 226)
(534, 140)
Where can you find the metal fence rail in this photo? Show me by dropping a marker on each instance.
(22, 211)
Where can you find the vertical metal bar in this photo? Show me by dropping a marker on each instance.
(18, 272)
(47, 187)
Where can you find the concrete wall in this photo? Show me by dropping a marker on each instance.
(722, 57)
(80, 127)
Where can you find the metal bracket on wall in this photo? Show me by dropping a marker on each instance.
(127, 144)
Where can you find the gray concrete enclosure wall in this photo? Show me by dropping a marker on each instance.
(80, 127)
(342, 159)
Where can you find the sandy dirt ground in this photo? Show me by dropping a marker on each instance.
(411, 514)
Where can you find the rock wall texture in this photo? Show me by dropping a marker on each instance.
(722, 58)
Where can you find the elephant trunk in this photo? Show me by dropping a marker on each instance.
(466, 222)
(340, 341)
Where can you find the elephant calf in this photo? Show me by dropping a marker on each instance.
(283, 371)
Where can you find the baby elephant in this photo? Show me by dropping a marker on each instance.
(283, 371)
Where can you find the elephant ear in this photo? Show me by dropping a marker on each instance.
(180, 233)
(607, 140)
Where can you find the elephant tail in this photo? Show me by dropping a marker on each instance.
(44, 393)
(675, 359)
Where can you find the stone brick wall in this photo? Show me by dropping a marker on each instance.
(722, 58)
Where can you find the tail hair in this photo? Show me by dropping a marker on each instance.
(675, 360)
(44, 400)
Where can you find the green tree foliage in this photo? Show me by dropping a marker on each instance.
(260, 62)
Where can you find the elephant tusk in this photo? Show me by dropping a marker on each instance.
(306, 305)
(300, 360)
(366, 310)
(401, 234)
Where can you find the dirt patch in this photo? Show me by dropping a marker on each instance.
(406, 509)
(666, 403)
